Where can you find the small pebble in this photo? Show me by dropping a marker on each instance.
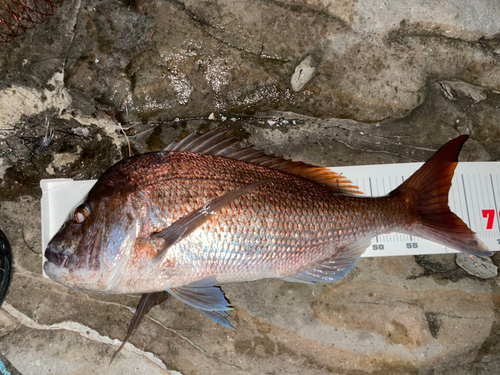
(476, 266)
(304, 72)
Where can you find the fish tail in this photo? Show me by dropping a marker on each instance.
(429, 188)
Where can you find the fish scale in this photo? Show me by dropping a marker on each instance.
(246, 248)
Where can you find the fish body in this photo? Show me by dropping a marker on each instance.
(186, 221)
(277, 230)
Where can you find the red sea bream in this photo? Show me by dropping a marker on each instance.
(205, 213)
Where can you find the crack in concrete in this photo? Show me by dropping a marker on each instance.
(162, 325)
(197, 347)
(221, 40)
(387, 138)
(382, 303)
(452, 316)
(346, 144)
(19, 270)
(39, 279)
(83, 331)
(74, 28)
(96, 336)
(305, 8)
(241, 49)
(194, 345)
(421, 306)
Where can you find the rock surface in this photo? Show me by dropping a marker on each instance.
(390, 83)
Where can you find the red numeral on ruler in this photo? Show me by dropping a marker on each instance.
(489, 215)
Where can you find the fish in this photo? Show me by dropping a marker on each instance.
(203, 212)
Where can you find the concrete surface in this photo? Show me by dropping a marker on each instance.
(383, 83)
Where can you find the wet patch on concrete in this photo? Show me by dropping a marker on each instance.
(434, 323)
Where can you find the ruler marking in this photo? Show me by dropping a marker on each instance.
(487, 195)
(465, 196)
(495, 202)
(474, 207)
(482, 190)
(456, 204)
(498, 188)
(459, 198)
(370, 181)
(492, 233)
(497, 207)
(490, 196)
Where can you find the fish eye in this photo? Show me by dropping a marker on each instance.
(81, 213)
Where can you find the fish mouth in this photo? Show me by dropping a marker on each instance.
(58, 267)
(58, 258)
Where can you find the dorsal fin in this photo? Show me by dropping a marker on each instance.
(216, 143)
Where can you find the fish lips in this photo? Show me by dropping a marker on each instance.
(58, 258)
(58, 267)
(52, 270)
(57, 262)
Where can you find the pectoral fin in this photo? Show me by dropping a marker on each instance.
(334, 268)
(189, 223)
(205, 297)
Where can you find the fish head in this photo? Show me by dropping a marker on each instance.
(92, 249)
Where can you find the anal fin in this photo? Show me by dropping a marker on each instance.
(333, 268)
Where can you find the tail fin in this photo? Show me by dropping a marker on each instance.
(431, 184)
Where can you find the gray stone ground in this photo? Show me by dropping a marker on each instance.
(326, 82)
